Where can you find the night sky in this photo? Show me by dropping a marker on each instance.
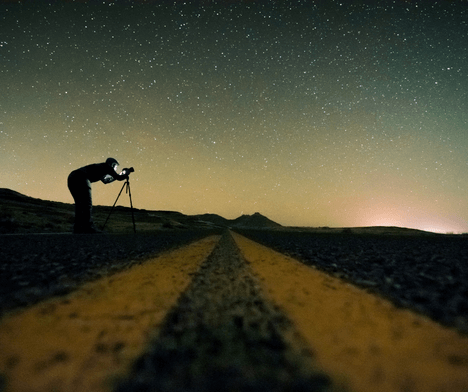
(313, 113)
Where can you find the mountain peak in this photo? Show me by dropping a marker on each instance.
(255, 220)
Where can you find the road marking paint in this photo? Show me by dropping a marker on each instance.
(88, 339)
(362, 340)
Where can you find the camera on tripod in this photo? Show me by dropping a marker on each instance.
(127, 171)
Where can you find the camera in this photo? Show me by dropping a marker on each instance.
(127, 171)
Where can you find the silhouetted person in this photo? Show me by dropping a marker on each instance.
(79, 183)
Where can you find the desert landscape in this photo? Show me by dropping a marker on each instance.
(418, 269)
(224, 330)
(22, 214)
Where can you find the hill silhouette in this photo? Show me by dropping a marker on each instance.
(253, 221)
(24, 214)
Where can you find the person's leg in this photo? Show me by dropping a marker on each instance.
(80, 188)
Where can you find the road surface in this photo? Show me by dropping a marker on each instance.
(223, 313)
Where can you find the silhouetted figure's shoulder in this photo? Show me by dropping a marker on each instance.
(97, 171)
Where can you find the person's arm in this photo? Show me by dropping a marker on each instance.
(107, 179)
(112, 175)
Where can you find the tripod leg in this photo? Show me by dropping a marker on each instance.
(131, 205)
(113, 206)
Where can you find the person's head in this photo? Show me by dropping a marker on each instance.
(112, 162)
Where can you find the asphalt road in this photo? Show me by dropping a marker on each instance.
(35, 267)
(224, 335)
(428, 274)
(182, 313)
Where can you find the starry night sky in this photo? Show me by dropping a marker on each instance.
(313, 113)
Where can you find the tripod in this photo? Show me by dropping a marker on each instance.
(126, 184)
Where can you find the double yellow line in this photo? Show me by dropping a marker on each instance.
(88, 340)
(364, 342)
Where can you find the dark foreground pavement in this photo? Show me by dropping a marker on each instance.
(221, 335)
(224, 332)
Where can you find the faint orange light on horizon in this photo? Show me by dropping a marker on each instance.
(420, 220)
(435, 226)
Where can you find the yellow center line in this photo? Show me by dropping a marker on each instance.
(360, 339)
(88, 339)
